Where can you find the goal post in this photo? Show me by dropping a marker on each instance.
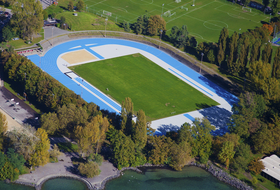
(167, 13)
(247, 9)
(177, 1)
(107, 13)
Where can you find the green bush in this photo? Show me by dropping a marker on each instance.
(89, 169)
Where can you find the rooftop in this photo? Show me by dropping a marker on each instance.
(272, 166)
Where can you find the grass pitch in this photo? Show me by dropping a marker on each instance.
(204, 20)
(151, 88)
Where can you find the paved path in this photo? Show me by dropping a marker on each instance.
(21, 112)
(51, 31)
(64, 167)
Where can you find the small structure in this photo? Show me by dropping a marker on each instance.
(75, 14)
(272, 168)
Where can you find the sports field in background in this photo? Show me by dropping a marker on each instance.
(151, 88)
(204, 20)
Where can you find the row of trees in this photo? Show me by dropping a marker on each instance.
(153, 25)
(41, 89)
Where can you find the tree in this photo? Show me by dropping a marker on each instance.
(255, 52)
(45, 15)
(90, 169)
(92, 135)
(222, 44)
(15, 159)
(275, 6)
(140, 132)
(211, 56)
(265, 3)
(126, 26)
(250, 106)
(180, 155)
(126, 115)
(202, 139)
(24, 141)
(7, 34)
(27, 19)
(80, 5)
(54, 153)
(159, 150)
(267, 53)
(71, 6)
(155, 24)
(3, 129)
(227, 153)
(245, 2)
(49, 122)
(256, 166)
(232, 67)
(276, 64)
(241, 157)
(139, 25)
(41, 154)
(123, 149)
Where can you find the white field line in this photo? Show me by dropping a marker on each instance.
(98, 96)
(191, 11)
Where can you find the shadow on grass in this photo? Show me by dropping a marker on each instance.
(203, 105)
(68, 147)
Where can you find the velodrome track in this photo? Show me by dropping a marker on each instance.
(103, 48)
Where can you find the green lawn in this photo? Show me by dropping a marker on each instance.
(204, 20)
(87, 21)
(151, 88)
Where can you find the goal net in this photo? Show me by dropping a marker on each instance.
(172, 14)
(178, 1)
(247, 9)
(107, 13)
(167, 13)
(185, 8)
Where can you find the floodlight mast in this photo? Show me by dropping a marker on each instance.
(160, 39)
(193, 3)
(201, 62)
(105, 25)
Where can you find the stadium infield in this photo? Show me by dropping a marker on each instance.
(159, 93)
(204, 20)
(108, 48)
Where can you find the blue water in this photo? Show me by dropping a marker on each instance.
(193, 178)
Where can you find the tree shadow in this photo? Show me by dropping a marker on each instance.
(72, 169)
(230, 98)
(203, 105)
(166, 128)
(219, 117)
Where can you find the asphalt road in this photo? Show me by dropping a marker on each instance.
(51, 31)
(21, 112)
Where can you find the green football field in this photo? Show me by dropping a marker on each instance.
(204, 20)
(151, 88)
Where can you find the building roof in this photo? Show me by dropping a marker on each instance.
(272, 166)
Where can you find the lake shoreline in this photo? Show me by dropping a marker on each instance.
(213, 170)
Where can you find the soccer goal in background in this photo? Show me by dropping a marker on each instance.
(247, 9)
(177, 1)
(107, 13)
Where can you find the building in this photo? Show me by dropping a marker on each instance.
(272, 168)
